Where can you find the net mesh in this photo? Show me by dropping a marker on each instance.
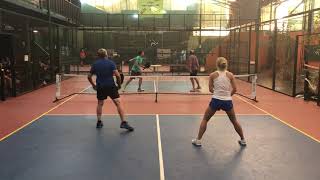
(70, 84)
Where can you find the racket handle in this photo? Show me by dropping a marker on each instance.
(122, 77)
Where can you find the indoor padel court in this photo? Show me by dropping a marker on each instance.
(159, 89)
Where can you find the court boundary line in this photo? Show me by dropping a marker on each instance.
(37, 118)
(138, 114)
(162, 177)
(280, 120)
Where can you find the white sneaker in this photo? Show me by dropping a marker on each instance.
(242, 142)
(196, 142)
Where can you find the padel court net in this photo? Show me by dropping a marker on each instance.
(71, 84)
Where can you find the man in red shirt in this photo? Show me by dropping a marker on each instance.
(82, 56)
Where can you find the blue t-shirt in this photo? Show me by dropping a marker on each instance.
(103, 69)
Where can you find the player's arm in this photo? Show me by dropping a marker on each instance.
(233, 83)
(117, 74)
(91, 81)
(118, 78)
(211, 86)
(198, 65)
(141, 63)
(212, 76)
(135, 63)
(90, 78)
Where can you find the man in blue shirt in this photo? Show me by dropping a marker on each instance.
(104, 69)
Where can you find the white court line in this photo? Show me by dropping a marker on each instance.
(38, 117)
(147, 114)
(160, 150)
(277, 118)
(154, 76)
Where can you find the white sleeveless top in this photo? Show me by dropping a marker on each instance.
(222, 87)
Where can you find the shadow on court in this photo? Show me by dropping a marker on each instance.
(69, 147)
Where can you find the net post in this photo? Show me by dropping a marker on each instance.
(254, 87)
(58, 86)
(156, 88)
(2, 87)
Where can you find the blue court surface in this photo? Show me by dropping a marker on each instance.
(177, 86)
(161, 86)
(69, 147)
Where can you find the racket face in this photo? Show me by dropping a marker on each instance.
(147, 65)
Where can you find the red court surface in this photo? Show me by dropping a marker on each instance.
(19, 112)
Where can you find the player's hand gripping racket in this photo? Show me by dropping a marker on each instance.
(147, 65)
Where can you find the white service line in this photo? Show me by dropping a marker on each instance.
(160, 150)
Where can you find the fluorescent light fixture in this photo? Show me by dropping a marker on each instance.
(85, 1)
(35, 31)
(182, 5)
(190, 2)
(211, 33)
(283, 10)
(285, 7)
(153, 9)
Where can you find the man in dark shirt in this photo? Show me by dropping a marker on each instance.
(104, 69)
(194, 66)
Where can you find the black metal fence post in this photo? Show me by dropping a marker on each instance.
(249, 50)
(2, 84)
(306, 94)
(318, 99)
(14, 79)
(294, 83)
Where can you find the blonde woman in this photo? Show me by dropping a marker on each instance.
(222, 85)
